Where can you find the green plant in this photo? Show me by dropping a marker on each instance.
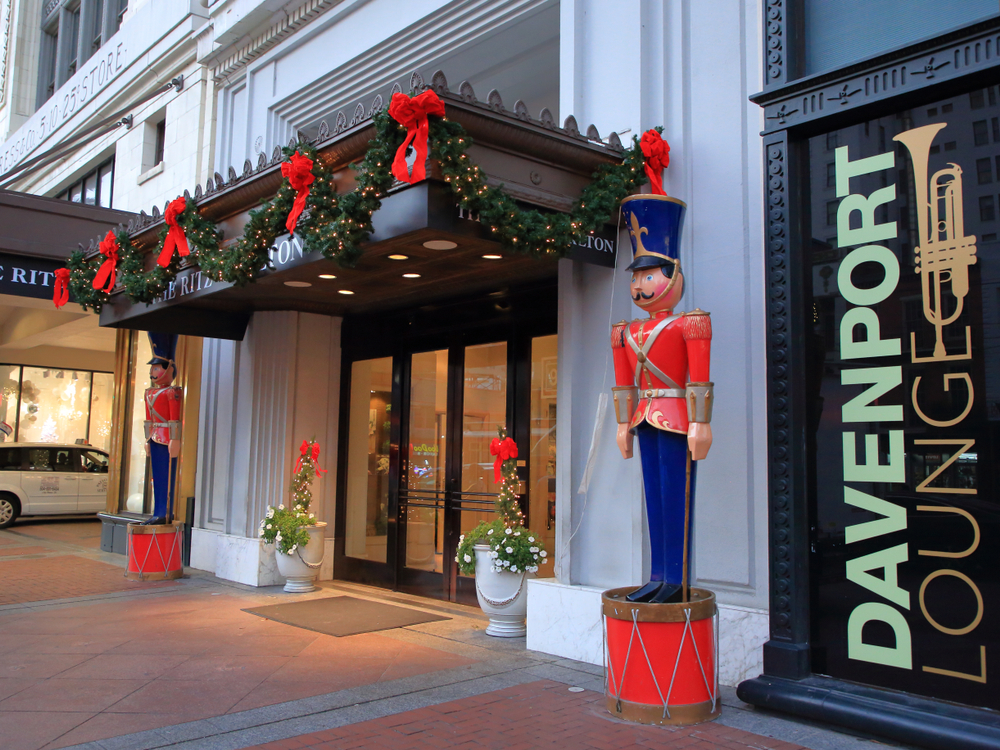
(512, 546)
(285, 527)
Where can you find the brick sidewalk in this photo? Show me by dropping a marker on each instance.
(61, 577)
(541, 714)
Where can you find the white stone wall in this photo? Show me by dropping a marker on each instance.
(261, 397)
(689, 66)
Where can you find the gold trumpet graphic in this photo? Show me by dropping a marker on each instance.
(944, 252)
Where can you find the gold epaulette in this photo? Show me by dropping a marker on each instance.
(696, 311)
(618, 334)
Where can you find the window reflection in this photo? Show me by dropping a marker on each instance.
(368, 459)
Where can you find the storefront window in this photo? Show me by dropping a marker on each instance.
(55, 406)
(135, 490)
(542, 459)
(102, 391)
(368, 459)
(10, 395)
(904, 401)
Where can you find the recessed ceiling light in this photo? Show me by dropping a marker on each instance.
(493, 257)
(399, 257)
(327, 276)
(411, 275)
(345, 291)
(440, 245)
(298, 284)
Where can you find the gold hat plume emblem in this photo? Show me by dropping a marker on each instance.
(640, 250)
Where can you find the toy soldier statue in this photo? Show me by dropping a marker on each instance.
(163, 425)
(663, 393)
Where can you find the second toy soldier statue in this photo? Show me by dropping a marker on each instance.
(163, 425)
(663, 394)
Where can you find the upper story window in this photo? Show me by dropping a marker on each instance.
(72, 31)
(96, 188)
(843, 32)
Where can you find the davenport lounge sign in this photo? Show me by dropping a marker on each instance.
(919, 572)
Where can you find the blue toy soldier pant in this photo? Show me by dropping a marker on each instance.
(664, 472)
(164, 470)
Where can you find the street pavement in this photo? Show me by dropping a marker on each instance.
(92, 660)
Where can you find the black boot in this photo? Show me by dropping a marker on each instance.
(668, 594)
(645, 592)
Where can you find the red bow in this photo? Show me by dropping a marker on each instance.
(503, 450)
(657, 153)
(60, 294)
(298, 171)
(175, 235)
(412, 114)
(105, 278)
(304, 450)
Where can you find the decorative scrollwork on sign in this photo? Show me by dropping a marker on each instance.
(774, 38)
(778, 388)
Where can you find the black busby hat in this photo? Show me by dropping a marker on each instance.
(164, 346)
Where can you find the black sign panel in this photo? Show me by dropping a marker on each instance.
(904, 392)
(23, 276)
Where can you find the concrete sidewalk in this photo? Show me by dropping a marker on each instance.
(94, 661)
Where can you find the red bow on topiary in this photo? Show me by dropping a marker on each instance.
(412, 114)
(175, 233)
(105, 278)
(657, 153)
(60, 291)
(299, 174)
(503, 450)
(304, 450)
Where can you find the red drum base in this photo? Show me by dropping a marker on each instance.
(154, 552)
(661, 659)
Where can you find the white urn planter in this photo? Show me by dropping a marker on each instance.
(301, 568)
(503, 596)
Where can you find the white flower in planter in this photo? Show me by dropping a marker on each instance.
(510, 550)
(506, 563)
(269, 526)
(507, 531)
(531, 538)
(261, 533)
(461, 537)
(270, 512)
(513, 568)
(312, 515)
(533, 549)
(489, 532)
(294, 546)
(494, 554)
(468, 559)
(281, 506)
(278, 537)
(517, 533)
(543, 553)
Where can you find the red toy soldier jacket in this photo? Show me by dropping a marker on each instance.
(660, 356)
(163, 405)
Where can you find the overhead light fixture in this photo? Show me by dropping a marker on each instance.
(327, 276)
(298, 284)
(440, 245)
(345, 291)
(411, 275)
(492, 257)
(397, 256)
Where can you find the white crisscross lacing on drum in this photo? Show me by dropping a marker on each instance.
(616, 685)
(141, 569)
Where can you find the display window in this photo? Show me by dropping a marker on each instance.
(903, 398)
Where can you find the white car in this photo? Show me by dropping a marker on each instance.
(41, 479)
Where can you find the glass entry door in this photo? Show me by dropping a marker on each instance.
(457, 400)
(416, 470)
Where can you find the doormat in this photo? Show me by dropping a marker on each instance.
(343, 615)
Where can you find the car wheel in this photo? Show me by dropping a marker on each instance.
(10, 509)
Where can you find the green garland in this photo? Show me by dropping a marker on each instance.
(338, 226)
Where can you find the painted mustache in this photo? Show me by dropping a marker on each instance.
(638, 295)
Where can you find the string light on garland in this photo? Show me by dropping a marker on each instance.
(339, 225)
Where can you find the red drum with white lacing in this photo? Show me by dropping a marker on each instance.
(661, 659)
(154, 552)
